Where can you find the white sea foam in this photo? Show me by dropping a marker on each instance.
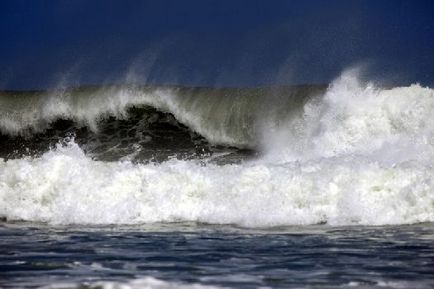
(64, 186)
(138, 283)
(356, 118)
(359, 155)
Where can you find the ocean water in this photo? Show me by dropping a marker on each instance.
(173, 187)
(189, 255)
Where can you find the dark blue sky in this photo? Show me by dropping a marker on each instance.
(207, 42)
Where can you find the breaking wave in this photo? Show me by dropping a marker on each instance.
(351, 154)
(227, 116)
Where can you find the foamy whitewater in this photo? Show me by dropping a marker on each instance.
(350, 154)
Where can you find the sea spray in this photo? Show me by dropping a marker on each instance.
(353, 118)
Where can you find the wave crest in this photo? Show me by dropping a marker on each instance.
(226, 116)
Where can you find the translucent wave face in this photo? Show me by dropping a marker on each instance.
(222, 116)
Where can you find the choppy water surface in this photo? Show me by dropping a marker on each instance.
(188, 255)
